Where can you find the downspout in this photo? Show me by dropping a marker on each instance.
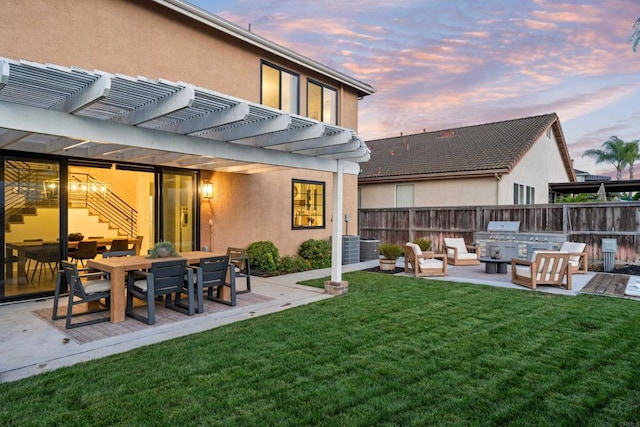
(498, 180)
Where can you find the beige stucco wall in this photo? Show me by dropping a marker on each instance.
(538, 168)
(141, 38)
(250, 208)
(541, 165)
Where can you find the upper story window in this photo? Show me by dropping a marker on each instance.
(322, 103)
(279, 88)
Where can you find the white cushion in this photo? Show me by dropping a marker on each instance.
(141, 284)
(430, 263)
(416, 249)
(575, 248)
(467, 256)
(633, 289)
(95, 286)
(458, 243)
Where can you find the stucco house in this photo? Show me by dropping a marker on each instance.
(158, 119)
(501, 163)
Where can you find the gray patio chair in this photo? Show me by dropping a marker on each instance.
(164, 279)
(239, 259)
(211, 273)
(83, 288)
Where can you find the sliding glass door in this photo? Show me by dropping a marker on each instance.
(179, 209)
(32, 246)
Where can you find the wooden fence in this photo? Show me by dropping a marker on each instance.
(581, 222)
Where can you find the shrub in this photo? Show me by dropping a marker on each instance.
(391, 250)
(424, 244)
(316, 252)
(293, 264)
(263, 255)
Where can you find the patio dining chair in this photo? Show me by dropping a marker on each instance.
(83, 288)
(213, 273)
(164, 279)
(242, 269)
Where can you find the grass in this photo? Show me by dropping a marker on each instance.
(394, 351)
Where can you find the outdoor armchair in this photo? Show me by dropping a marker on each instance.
(84, 287)
(459, 253)
(423, 263)
(545, 268)
(164, 279)
(578, 258)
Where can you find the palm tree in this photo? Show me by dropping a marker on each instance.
(614, 151)
(632, 154)
(635, 35)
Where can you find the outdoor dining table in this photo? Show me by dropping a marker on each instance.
(117, 267)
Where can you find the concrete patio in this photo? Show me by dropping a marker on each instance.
(30, 345)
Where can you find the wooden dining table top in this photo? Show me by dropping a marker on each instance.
(139, 262)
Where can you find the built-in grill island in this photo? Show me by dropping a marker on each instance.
(506, 237)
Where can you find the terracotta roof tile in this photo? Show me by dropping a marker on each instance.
(485, 147)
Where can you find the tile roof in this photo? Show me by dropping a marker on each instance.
(470, 150)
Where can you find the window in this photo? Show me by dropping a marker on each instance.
(279, 88)
(322, 103)
(523, 195)
(404, 196)
(308, 204)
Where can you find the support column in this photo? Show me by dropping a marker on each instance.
(336, 286)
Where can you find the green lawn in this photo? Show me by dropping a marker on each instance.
(394, 351)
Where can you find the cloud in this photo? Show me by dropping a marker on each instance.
(442, 64)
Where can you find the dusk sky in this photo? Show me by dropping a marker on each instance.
(438, 64)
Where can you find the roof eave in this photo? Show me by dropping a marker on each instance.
(240, 33)
(433, 176)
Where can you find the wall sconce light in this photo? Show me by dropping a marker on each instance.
(207, 190)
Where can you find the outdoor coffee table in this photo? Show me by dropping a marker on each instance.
(495, 266)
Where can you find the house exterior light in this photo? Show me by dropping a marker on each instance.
(207, 190)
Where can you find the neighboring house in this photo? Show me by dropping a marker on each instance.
(157, 118)
(502, 163)
(583, 176)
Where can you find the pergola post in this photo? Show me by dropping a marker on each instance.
(336, 286)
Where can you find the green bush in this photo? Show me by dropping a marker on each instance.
(391, 250)
(292, 264)
(317, 252)
(264, 256)
(424, 244)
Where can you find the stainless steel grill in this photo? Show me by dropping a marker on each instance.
(506, 237)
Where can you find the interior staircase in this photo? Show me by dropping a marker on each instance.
(30, 186)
